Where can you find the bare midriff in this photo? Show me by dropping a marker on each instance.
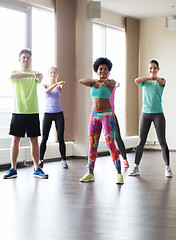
(101, 104)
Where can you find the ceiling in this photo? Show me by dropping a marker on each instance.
(141, 8)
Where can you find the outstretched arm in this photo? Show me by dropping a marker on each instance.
(159, 80)
(117, 84)
(88, 82)
(110, 83)
(140, 80)
(21, 75)
(50, 88)
(61, 85)
(38, 76)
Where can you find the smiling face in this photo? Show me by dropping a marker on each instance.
(53, 74)
(25, 60)
(103, 71)
(153, 69)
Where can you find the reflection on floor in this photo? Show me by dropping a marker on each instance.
(144, 208)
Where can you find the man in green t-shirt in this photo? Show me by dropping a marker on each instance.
(25, 117)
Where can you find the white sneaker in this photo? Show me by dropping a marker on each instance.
(135, 172)
(64, 164)
(168, 173)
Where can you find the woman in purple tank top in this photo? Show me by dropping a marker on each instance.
(53, 112)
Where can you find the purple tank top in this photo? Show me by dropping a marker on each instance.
(52, 101)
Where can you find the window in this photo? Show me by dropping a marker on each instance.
(42, 40)
(23, 26)
(110, 42)
(11, 41)
(43, 52)
(11, 36)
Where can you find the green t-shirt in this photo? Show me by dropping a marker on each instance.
(152, 94)
(25, 94)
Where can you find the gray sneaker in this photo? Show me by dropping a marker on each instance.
(168, 173)
(135, 172)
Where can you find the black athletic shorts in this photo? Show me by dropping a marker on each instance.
(25, 123)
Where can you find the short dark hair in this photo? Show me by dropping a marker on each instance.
(100, 61)
(25, 50)
(155, 62)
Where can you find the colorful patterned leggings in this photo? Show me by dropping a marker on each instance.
(105, 120)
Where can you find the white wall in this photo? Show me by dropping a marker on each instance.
(156, 42)
(111, 19)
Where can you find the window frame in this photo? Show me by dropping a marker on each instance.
(27, 10)
(105, 26)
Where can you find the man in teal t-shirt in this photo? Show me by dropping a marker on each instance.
(25, 117)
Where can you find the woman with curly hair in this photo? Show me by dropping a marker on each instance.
(101, 117)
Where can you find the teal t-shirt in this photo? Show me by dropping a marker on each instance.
(152, 97)
(25, 94)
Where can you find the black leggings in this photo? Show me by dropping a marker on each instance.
(159, 123)
(58, 118)
(119, 140)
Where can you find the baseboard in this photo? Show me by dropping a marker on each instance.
(52, 151)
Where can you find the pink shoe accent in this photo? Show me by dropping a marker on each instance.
(125, 163)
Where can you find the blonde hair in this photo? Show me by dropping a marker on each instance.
(54, 68)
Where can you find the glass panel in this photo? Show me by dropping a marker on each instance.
(12, 40)
(43, 52)
(42, 40)
(98, 41)
(115, 51)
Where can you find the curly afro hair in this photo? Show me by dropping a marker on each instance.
(100, 61)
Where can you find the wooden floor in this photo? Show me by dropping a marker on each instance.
(144, 208)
